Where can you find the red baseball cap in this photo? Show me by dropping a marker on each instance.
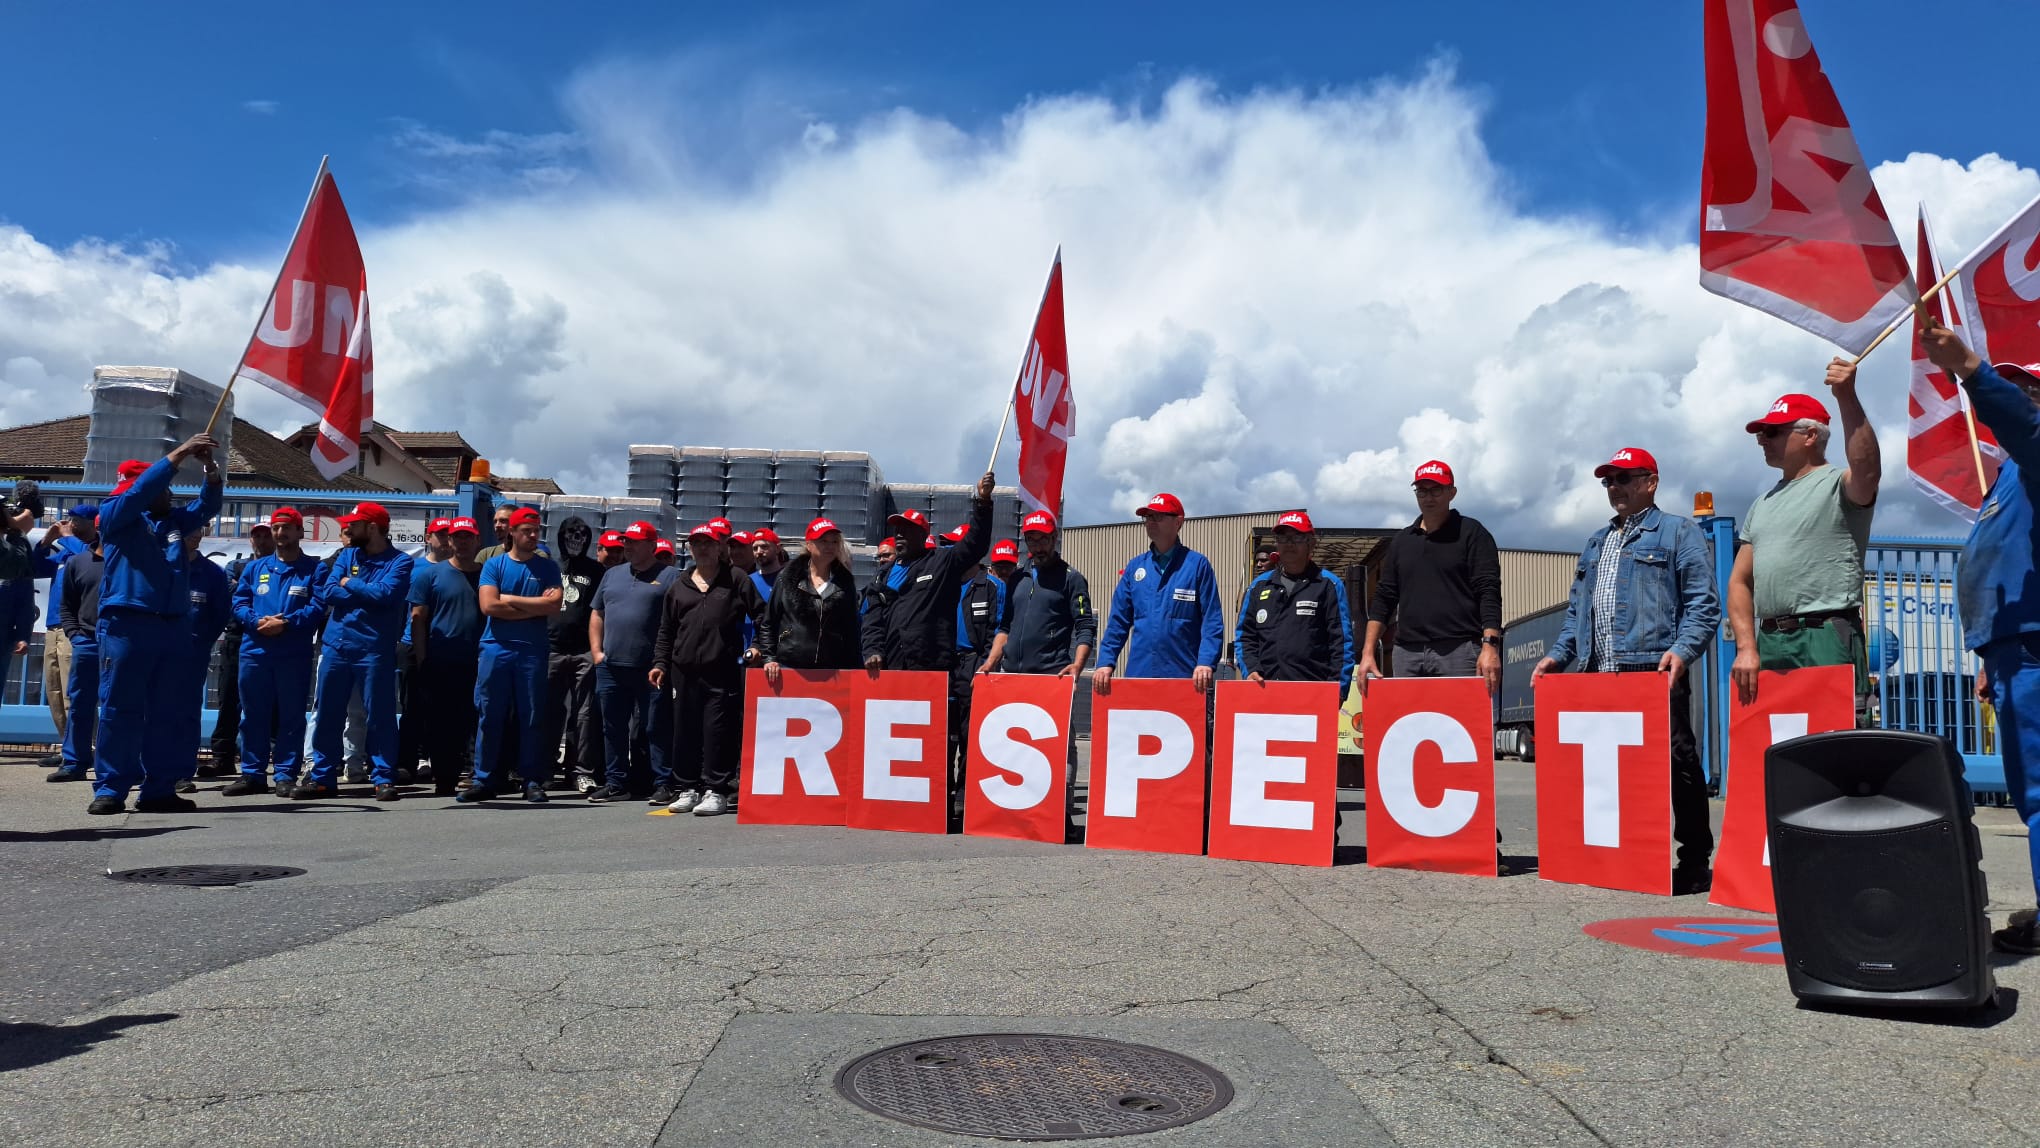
(741, 536)
(374, 512)
(722, 527)
(439, 525)
(1038, 522)
(891, 541)
(522, 515)
(611, 539)
(1628, 458)
(765, 534)
(641, 530)
(283, 514)
(1005, 550)
(129, 471)
(2030, 370)
(820, 527)
(464, 526)
(957, 535)
(929, 543)
(705, 530)
(1297, 520)
(1790, 409)
(1433, 471)
(665, 547)
(1162, 504)
(909, 515)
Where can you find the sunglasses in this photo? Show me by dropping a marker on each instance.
(1625, 478)
(1775, 430)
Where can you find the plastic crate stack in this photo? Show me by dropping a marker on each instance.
(747, 488)
(657, 511)
(796, 491)
(142, 412)
(853, 495)
(697, 494)
(653, 472)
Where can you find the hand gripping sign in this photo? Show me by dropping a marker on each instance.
(1604, 780)
(1147, 767)
(1431, 775)
(1274, 772)
(1790, 704)
(800, 747)
(1016, 779)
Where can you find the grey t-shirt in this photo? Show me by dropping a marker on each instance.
(629, 603)
(1810, 540)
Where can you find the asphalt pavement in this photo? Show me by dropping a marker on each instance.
(575, 974)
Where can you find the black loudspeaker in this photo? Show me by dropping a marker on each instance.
(1876, 867)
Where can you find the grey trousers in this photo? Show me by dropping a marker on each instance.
(1438, 660)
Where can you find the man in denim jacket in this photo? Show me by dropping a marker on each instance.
(1644, 599)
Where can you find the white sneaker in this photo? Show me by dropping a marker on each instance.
(711, 805)
(583, 784)
(689, 798)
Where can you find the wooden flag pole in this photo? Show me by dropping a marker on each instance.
(1911, 313)
(1976, 453)
(262, 316)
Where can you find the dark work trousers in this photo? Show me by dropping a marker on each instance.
(226, 735)
(1691, 824)
(708, 728)
(637, 729)
(410, 729)
(444, 689)
(570, 714)
(961, 678)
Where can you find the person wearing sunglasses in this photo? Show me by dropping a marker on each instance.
(1644, 600)
(1795, 597)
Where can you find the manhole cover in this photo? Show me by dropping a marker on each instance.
(1034, 1086)
(205, 875)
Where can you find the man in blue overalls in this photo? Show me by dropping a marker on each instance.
(520, 589)
(278, 605)
(174, 749)
(367, 589)
(1165, 610)
(144, 625)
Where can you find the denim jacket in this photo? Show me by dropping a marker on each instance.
(1666, 598)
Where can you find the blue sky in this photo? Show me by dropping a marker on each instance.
(136, 121)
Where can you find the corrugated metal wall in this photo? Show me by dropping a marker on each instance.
(1534, 580)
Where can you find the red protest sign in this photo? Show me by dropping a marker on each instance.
(903, 784)
(1789, 704)
(1604, 780)
(1016, 777)
(1431, 775)
(1147, 767)
(1274, 776)
(800, 746)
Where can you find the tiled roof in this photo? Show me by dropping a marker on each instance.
(429, 440)
(527, 485)
(254, 455)
(58, 444)
(445, 468)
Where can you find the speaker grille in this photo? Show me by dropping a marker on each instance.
(1872, 911)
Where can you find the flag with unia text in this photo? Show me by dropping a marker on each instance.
(1042, 404)
(1946, 462)
(1790, 222)
(1999, 290)
(311, 343)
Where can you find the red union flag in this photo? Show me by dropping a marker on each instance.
(1789, 221)
(1042, 402)
(2000, 292)
(311, 343)
(1938, 450)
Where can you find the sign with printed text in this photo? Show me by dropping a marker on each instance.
(1274, 772)
(1789, 704)
(1147, 767)
(1604, 780)
(800, 746)
(1431, 776)
(1016, 778)
(904, 783)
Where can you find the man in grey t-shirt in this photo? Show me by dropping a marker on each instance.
(1795, 598)
(623, 624)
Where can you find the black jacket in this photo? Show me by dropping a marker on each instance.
(567, 631)
(978, 608)
(78, 607)
(804, 631)
(703, 631)
(1300, 635)
(1049, 613)
(911, 622)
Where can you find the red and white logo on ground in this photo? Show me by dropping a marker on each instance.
(1604, 780)
(1431, 776)
(1789, 704)
(1016, 776)
(1274, 777)
(1147, 767)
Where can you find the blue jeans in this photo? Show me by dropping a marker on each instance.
(273, 691)
(339, 674)
(510, 691)
(636, 724)
(144, 660)
(2014, 667)
(82, 692)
